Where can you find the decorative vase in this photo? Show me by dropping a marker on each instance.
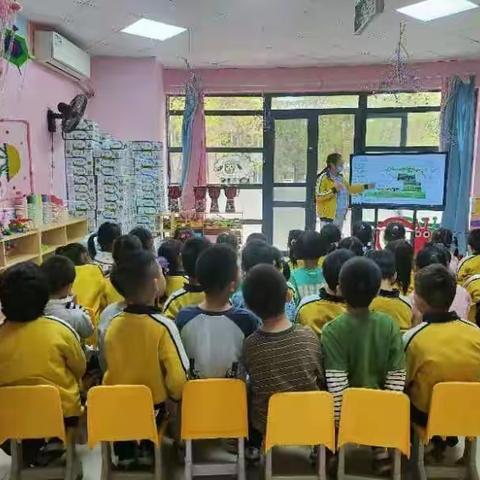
(200, 199)
(214, 193)
(174, 194)
(230, 192)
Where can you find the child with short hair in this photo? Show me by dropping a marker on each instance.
(89, 284)
(436, 253)
(141, 346)
(145, 236)
(444, 347)
(277, 346)
(169, 256)
(292, 247)
(213, 331)
(444, 236)
(317, 310)
(470, 265)
(38, 349)
(308, 279)
(364, 232)
(258, 252)
(192, 292)
(107, 233)
(353, 244)
(389, 300)
(472, 286)
(228, 238)
(330, 236)
(362, 348)
(60, 274)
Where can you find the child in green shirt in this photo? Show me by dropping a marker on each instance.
(362, 348)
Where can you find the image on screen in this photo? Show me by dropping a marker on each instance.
(401, 180)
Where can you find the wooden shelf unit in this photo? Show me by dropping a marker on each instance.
(36, 245)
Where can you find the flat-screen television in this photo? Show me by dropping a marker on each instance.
(402, 180)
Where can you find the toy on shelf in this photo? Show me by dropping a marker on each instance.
(230, 192)
(19, 225)
(214, 193)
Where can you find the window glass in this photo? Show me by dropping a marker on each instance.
(233, 103)
(417, 99)
(234, 131)
(175, 167)
(384, 131)
(310, 101)
(176, 103)
(423, 129)
(175, 130)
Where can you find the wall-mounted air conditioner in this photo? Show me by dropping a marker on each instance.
(61, 55)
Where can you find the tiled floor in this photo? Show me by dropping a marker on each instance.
(286, 461)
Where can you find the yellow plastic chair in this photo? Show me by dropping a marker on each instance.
(214, 409)
(300, 418)
(35, 412)
(453, 413)
(123, 413)
(375, 418)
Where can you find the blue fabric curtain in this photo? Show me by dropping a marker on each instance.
(191, 105)
(458, 130)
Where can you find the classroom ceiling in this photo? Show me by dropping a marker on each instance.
(255, 33)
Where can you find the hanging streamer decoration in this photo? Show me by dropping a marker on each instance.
(8, 12)
(399, 75)
(15, 48)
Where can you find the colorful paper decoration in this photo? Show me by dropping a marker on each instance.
(10, 162)
(15, 48)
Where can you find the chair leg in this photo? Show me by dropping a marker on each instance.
(418, 458)
(472, 446)
(341, 464)
(322, 463)
(70, 461)
(188, 460)
(158, 474)
(241, 459)
(268, 465)
(106, 461)
(17, 460)
(397, 465)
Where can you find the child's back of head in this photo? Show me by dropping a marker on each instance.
(310, 246)
(353, 244)
(360, 280)
(403, 252)
(435, 289)
(124, 246)
(76, 252)
(169, 253)
(443, 236)
(257, 252)
(385, 260)
(138, 278)
(430, 254)
(332, 266)
(228, 238)
(265, 291)
(474, 241)
(24, 292)
(364, 232)
(394, 231)
(256, 236)
(60, 273)
(217, 271)
(330, 235)
(107, 233)
(191, 250)
(145, 236)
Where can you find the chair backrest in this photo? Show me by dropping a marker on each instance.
(31, 412)
(214, 408)
(377, 418)
(120, 413)
(454, 410)
(300, 418)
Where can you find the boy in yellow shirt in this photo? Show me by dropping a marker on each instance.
(470, 265)
(316, 311)
(444, 347)
(37, 349)
(472, 285)
(389, 300)
(191, 293)
(142, 347)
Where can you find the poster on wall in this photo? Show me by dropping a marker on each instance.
(365, 12)
(15, 162)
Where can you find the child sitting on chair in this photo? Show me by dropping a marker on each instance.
(444, 347)
(36, 349)
(470, 265)
(213, 331)
(142, 347)
(279, 356)
(317, 310)
(60, 273)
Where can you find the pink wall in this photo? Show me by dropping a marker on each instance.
(129, 97)
(27, 97)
